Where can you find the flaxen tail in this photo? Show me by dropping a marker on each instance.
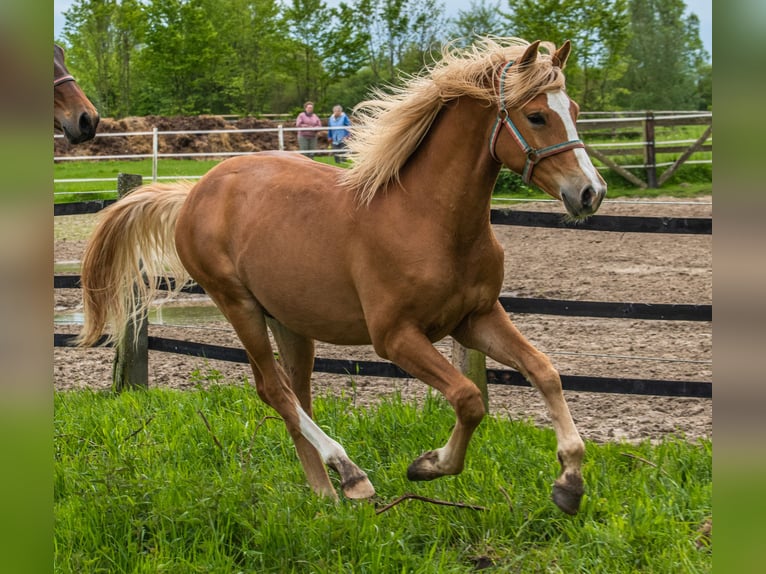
(132, 247)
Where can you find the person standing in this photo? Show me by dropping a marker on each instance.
(337, 136)
(307, 139)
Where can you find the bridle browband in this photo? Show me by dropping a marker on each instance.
(533, 155)
(62, 80)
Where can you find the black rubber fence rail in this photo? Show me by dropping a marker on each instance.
(617, 223)
(385, 369)
(660, 311)
(648, 311)
(81, 207)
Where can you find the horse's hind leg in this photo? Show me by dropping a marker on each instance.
(311, 443)
(495, 335)
(296, 356)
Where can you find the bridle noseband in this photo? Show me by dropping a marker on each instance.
(534, 156)
(62, 80)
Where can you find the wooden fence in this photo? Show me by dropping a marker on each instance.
(618, 310)
(650, 147)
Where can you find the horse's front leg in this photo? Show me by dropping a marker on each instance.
(411, 350)
(496, 336)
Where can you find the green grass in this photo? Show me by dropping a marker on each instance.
(142, 486)
(66, 192)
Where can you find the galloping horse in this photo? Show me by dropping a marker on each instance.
(73, 113)
(396, 251)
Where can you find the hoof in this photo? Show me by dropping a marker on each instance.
(358, 488)
(354, 481)
(424, 467)
(568, 493)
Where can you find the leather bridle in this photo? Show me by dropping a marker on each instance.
(62, 80)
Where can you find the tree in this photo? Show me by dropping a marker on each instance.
(90, 40)
(183, 61)
(483, 17)
(253, 33)
(307, 22)
(598, 31)
(399, 33)
(345, 43)
(665, 57)
(129, 32)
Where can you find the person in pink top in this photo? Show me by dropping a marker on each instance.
(307, 139)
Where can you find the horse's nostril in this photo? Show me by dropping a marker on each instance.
(86, 124)
(587, 197)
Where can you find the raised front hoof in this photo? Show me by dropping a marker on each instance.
(568, 494)
(425, 467)
(358, 488)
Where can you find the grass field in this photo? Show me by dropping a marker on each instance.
(205, 481)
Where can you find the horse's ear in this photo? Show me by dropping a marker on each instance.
(530, 55)
(560, 56)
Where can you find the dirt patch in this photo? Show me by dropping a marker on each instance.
(566, 264)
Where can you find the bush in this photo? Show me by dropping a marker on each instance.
(509, 183)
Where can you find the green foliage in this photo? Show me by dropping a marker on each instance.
(205, 481)
(598, 31)
(510, 183)
(483, 17)
(259, 56)
(665, 59)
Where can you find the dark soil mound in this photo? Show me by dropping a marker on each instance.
(183, 142)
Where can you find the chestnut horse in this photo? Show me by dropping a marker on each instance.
(73, 113)
(396, 251)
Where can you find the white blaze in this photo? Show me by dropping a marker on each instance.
(559, 103)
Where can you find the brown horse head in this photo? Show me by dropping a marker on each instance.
(526, 133)
(73, 113)
(519, 105)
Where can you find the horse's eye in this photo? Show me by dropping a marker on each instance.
(536, 119)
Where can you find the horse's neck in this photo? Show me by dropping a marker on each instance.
(452, 171)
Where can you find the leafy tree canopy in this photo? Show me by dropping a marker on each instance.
(138, 57)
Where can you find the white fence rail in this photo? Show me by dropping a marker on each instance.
(587, 123)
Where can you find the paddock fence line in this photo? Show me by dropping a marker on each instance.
(618, 310)
(637, 129)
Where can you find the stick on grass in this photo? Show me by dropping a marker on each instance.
(410, 496)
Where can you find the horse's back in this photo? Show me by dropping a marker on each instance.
(276, 226)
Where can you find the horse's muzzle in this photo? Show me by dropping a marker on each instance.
(84, 130)
(585, 202)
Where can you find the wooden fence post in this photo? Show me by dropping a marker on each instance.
(650, 154)
(473, 364)
(130, 369)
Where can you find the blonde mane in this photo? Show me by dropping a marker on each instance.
(390, 127)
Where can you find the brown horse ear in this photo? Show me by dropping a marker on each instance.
(530, 55)
(559, 57)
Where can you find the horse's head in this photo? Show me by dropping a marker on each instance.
(73, 113)
(538, 138)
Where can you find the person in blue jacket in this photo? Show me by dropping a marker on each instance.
(338, 133)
